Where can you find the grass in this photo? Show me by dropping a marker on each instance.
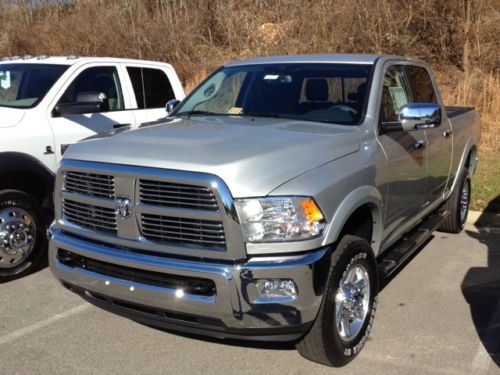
(486, 184)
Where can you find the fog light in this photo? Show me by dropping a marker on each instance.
(275, 290)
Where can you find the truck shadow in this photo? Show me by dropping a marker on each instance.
(481, 285)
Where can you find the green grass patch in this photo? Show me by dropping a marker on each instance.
(486, 184)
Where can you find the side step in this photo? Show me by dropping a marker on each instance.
(393, 258)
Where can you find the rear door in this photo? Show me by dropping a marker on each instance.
(103, 78)
(439, 137)
(405, 170)
(152, 87)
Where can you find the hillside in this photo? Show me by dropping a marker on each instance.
(461, 39)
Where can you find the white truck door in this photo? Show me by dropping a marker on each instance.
(153, 87)
(77, 121)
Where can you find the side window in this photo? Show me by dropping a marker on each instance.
(152, 88)
(421, 83)
(102, 80)
(395, 93)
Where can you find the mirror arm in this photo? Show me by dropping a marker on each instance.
(390, 126)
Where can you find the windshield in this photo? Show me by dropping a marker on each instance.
(332, 93)
(25, 85)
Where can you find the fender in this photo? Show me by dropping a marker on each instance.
(20, 162)
(470, 145)
(355, 199)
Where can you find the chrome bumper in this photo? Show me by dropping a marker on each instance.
(235, 310)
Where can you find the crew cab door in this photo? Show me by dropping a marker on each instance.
(152, 87)
(439, 136)
(405, 169)
(103, 80)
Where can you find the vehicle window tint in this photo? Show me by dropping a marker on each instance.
(395, 93)
(101, 80)
(421, 83)
(151, 87)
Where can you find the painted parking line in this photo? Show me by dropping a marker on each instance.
(42, 324)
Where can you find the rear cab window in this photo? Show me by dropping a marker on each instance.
(152, 88)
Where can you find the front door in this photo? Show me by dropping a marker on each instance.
(439, 137)
(405, 171)
(69, 129)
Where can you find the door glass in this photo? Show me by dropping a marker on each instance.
(152, 87)
(395, 93)
(101, 80)
(423, 90)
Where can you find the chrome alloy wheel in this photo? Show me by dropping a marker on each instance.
(351, 302)
(17, 236)
(464, 201)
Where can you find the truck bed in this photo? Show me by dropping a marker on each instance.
(453, 111)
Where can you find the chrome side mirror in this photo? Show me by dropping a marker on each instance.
(415, 116)
(171, 104)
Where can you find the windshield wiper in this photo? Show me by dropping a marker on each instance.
(197, 112)
(268, 114)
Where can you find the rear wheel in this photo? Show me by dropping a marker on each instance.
(458, 205)
(22, 234)
(348, 309)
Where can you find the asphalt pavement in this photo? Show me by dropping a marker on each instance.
(439, 315)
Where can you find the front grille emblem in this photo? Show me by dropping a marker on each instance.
(124, 207)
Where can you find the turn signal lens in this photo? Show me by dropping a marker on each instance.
(311, 210)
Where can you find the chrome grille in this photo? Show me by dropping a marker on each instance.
(97, 218)
(182, 230)
(169, 194)
(94, 185)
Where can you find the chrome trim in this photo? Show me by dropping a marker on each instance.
(129, 229)
(236, 301)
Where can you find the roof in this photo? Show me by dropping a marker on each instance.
(69, 60)
(344, 58)
(324, 58)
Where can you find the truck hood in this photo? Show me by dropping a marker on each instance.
(252, 155)
(10, 117)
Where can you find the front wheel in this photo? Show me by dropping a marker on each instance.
(347, 312)
(22, 234)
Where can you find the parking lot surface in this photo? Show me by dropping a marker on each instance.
(439, 315)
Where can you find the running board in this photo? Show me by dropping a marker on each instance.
(409, 244)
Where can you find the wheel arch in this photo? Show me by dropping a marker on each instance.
(360, 214)
(24, 172)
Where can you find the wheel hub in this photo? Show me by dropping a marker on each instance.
(17, 236)
(352, 301)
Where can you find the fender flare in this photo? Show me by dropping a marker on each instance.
(363, 195)
(470, 146)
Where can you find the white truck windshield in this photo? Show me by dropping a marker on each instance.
(25, 85)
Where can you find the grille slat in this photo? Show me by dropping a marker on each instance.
(97, 218)
(169, 194)
(172, 229)
(91, 184)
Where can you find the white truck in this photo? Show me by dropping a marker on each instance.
(48, 103)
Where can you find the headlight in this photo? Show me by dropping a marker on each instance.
(280, 219)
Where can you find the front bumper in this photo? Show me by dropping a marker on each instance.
(234, 311)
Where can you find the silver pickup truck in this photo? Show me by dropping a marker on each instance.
(271, 203)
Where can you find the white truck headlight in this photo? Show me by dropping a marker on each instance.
(280, 219)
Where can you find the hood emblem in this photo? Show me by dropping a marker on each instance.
(124, 207)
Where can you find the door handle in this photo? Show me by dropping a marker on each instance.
(419, 144)
(117, 126)
(48, 150)
(446, 133)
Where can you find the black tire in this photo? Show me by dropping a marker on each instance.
(20, 200)
(455, 222)
(323, 343)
